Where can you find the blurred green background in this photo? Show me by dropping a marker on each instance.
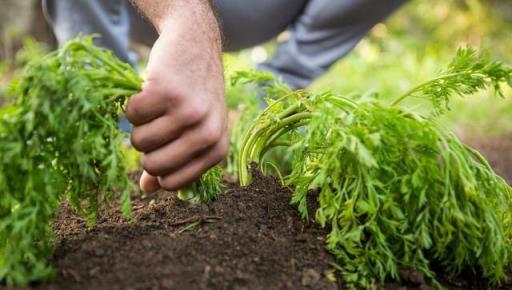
(414, 44)
(411, 46)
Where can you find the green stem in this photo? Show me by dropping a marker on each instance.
(280, 144)
(136, 82)
(277, 172)
(255, 142)
(118, 92)
(114, 80)
(242, 166)
(427, 83)
(292, 109)
(272, 143)
(342, 102)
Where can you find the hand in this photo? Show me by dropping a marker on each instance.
(179, 117)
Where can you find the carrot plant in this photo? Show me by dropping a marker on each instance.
(60, 142)
(247, 108)
(398, 189)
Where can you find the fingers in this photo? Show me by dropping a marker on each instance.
(152, 135)
(145, 107)
(190, 145)
(180, 142)
(148, 183)
(193, 170)
(186, 174)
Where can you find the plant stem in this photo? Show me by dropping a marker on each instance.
(136, 83)
(251, 150)
(427, 83)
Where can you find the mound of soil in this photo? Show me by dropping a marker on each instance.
(250, 239)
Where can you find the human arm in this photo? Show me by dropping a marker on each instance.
(179, 116)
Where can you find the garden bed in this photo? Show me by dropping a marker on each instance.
(250, 239)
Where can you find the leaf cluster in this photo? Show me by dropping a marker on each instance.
(468, 73)
(248, 88)
(60, 141)
(205, 190)
(397, 189)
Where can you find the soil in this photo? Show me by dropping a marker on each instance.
(250, 239)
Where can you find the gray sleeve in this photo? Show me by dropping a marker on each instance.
(326, 31)
(107, 18)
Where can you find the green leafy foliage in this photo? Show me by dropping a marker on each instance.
(397, 189)
(245, 101)
(243, 106)
(60, 141)
(206, 190)
(468, 73)
(30, 51)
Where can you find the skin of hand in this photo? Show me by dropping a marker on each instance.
(179, 117)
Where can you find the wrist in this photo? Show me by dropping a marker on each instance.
(192, 22)
(164, 13)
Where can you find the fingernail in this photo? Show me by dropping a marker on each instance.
(148, 183)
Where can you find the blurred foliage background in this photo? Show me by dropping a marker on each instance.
(411, 46)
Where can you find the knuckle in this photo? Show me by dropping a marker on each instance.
(211, 135)
(169, 92)
(195, 114)
(161, 96)
(210, 138)
(170, 97)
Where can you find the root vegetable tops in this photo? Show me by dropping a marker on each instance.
(398, 190)
(60, 142)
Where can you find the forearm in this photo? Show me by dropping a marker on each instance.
(196, 13)
(189, 25)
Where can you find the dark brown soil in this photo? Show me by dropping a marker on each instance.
(250, 239)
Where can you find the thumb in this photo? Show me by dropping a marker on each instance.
(148, 183)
